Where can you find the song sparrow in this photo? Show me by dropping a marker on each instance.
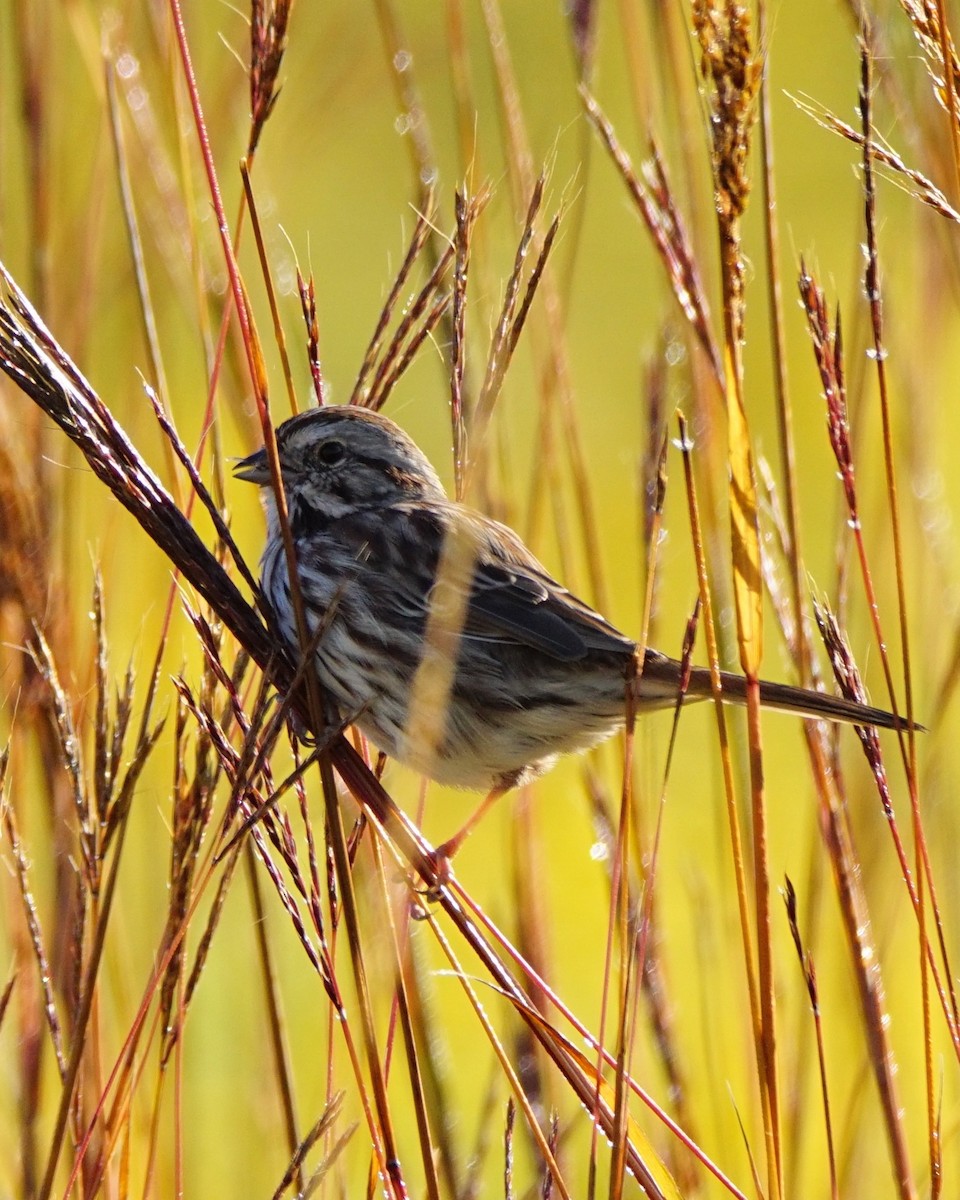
(458, 652)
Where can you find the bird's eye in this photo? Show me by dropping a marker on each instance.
(330, 453)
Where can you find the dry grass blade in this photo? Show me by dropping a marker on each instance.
(108, 750)
(402, 356)
(731, 71)
(279, 336)
(872, 993)
(800, 643)
(404, 1008)
(6, 994)
(828, 349)
(533, 283)
(641, 1158)
(503, 336)
(147, 311)
(439, 1077)
(508, 1128)
(729, 782)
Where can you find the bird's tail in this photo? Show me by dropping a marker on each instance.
(662, 673)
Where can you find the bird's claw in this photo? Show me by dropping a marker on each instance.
(440, 868)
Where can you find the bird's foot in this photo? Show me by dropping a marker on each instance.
(439, 873)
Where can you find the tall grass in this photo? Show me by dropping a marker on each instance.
(563, 247)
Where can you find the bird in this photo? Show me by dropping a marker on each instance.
(437, 632)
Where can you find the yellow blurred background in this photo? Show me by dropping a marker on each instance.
(336, 188)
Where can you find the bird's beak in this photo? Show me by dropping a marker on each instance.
(253, 469)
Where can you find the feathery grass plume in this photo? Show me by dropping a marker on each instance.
(321, 1128)
(35, 362)
(32, 919)
(849, 681)
(308, 305)
(513, 318)
(102, 797)
(939, 51)
(420, 316)
(732, 77)
(828, 349)
(654, 199)
(732, 74)
(810, 979)
(465, 217)
(268, 41)
(418, 240)
(193, 791)
(915, 182)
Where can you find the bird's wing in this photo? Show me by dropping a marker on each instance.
(513, 598)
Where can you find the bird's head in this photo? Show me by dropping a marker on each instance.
(336, 459)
